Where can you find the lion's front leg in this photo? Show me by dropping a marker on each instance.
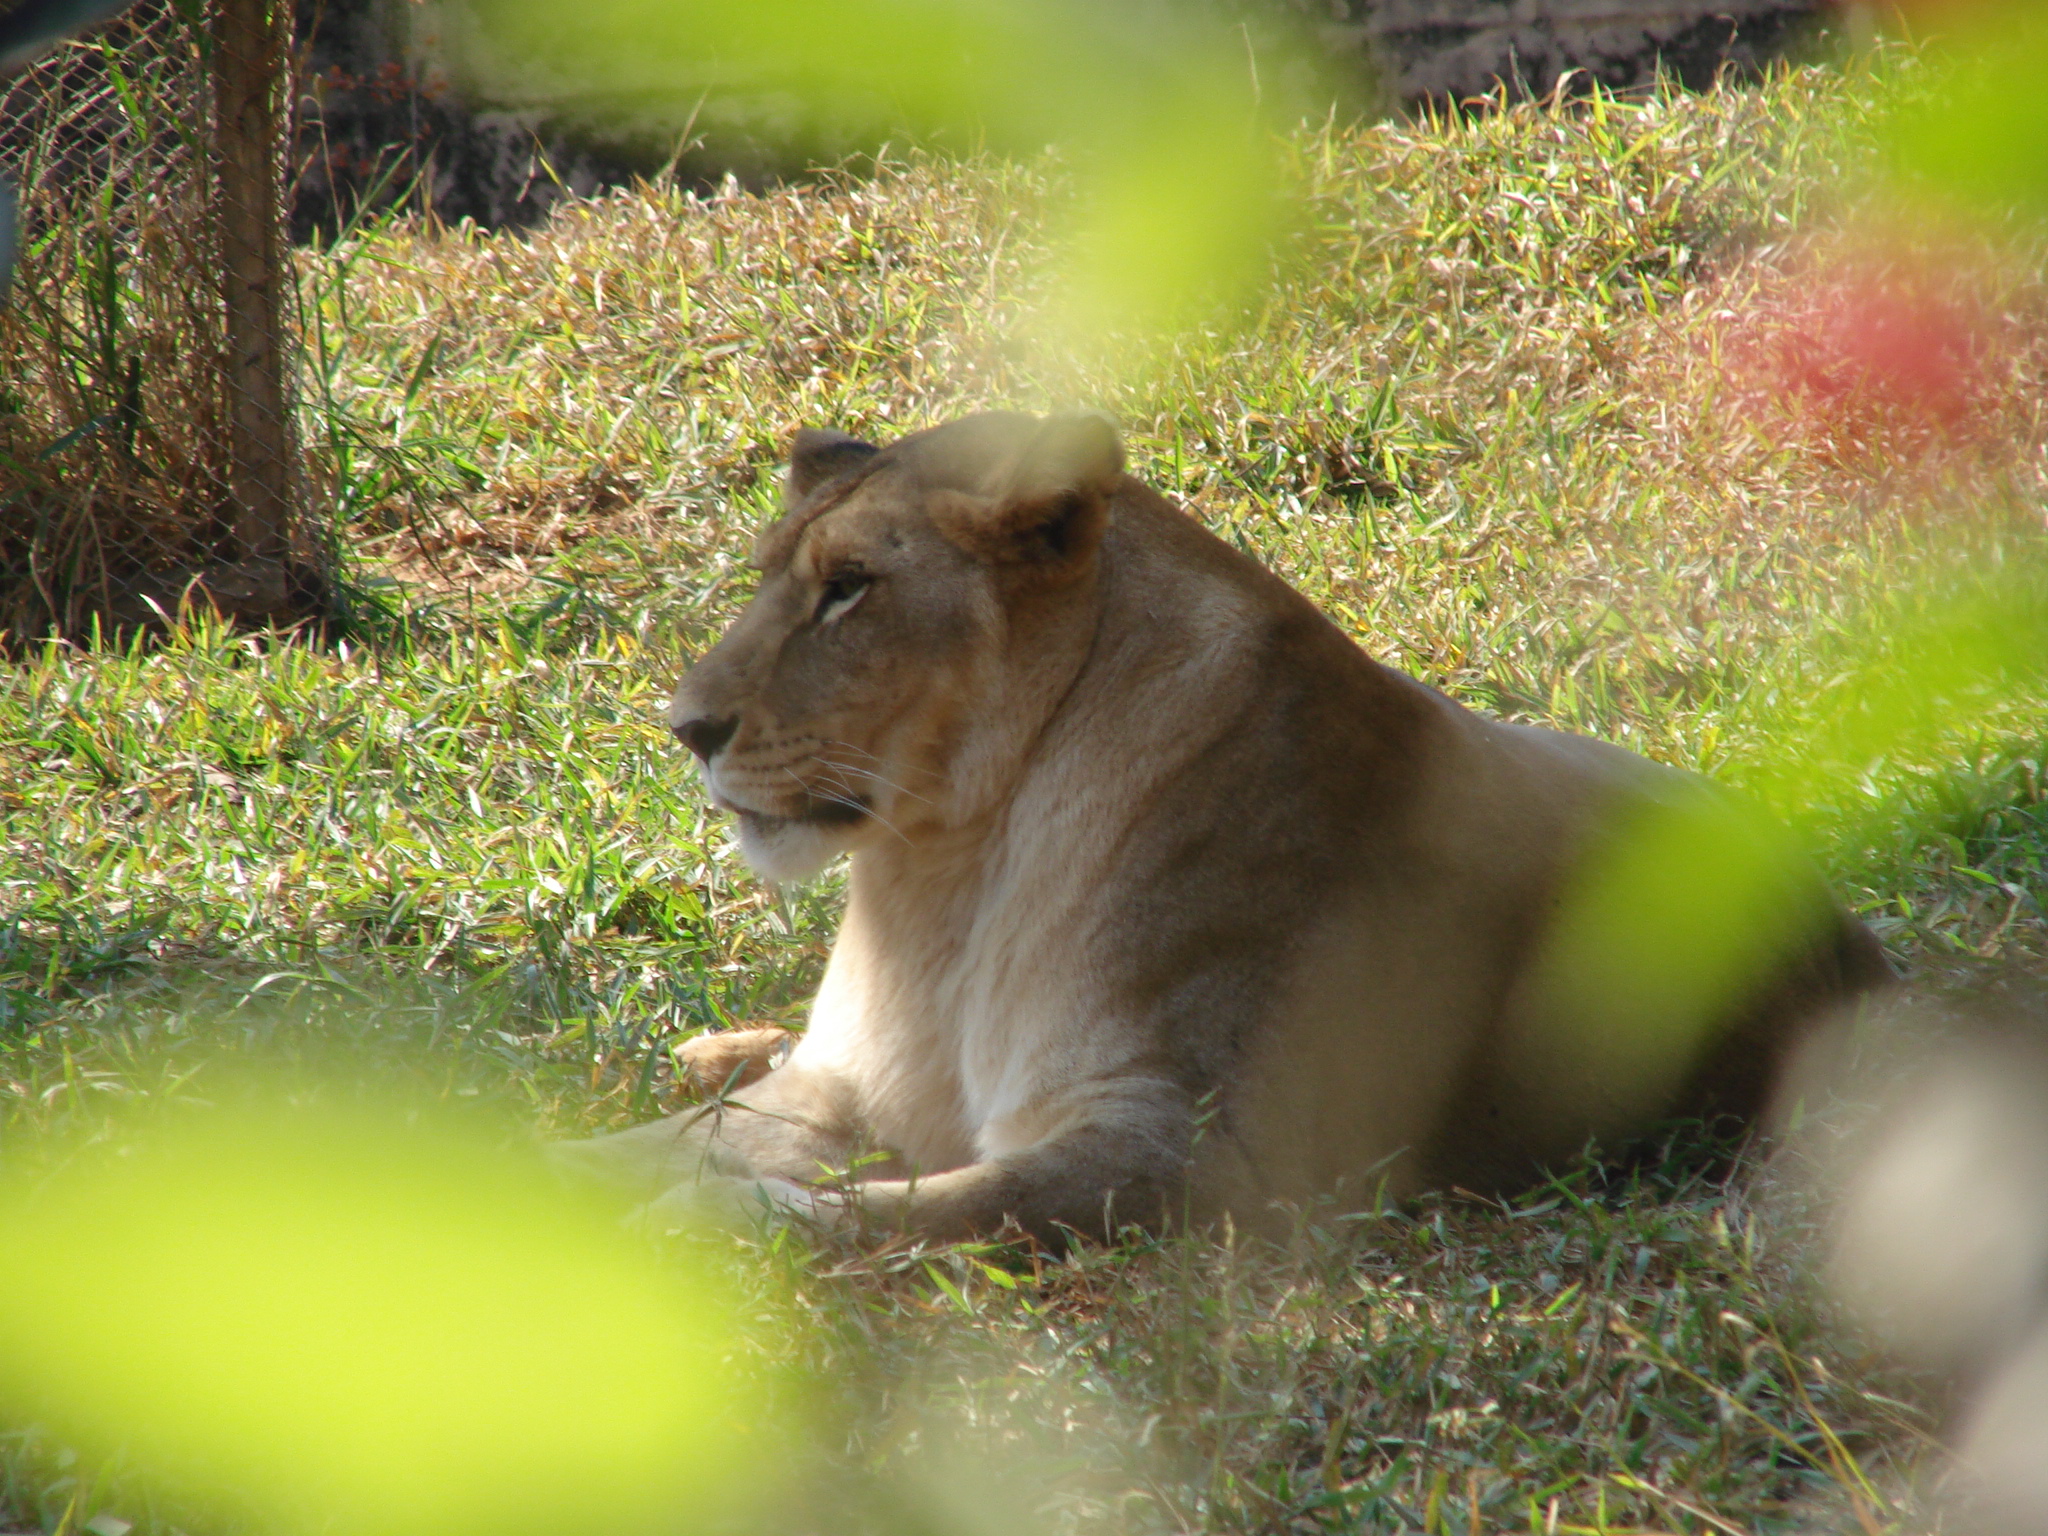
(790, 1128)
(1120, 1155)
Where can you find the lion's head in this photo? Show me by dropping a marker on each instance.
(922, 608)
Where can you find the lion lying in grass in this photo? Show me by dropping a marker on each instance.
(1166, 901)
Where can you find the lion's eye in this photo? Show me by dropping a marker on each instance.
(840, 594)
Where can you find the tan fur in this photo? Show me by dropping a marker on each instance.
(730, 1058)
(1165, 900)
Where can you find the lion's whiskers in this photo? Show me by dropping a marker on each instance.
(850, 801)
(833, 741)
(880, 779)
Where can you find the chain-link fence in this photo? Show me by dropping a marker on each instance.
(148, 456)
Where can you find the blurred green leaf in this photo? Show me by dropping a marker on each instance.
(1687, 908)
(363, 1324)
(1159, 119)
(1925, 661)
(1981, 138)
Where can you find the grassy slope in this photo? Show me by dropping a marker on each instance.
(1480, 421)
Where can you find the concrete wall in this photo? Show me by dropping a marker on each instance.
(1454, 48)
(380, 109)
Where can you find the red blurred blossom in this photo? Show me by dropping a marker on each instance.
(1858, 346)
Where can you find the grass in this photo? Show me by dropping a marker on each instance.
(1507, 413)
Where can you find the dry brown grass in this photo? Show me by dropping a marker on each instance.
(114, 392)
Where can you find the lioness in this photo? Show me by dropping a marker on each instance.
(1166, 901)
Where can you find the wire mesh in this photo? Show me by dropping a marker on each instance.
(148, 454)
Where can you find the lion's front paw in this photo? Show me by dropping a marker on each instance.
(736, 1204)
(637, 1162)
(726, 1059)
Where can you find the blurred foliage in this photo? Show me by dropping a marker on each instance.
(362, 1322)
(1979, 143)
(1157, 114)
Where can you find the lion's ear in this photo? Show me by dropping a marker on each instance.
(819, 455)
(1051, 502)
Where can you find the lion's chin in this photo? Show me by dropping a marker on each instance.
(784, 851)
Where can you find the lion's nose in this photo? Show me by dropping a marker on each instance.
(705, 737)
